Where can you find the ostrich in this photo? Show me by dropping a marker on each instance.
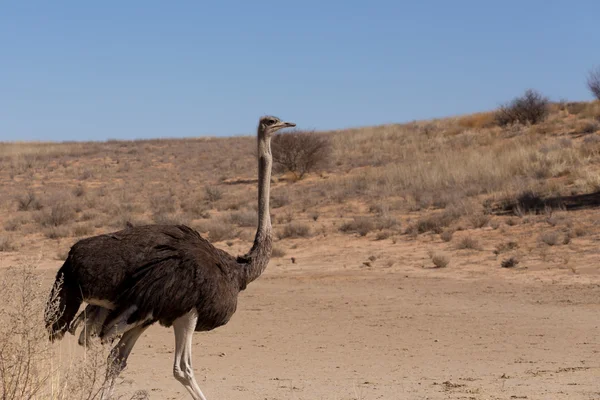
(160, 273)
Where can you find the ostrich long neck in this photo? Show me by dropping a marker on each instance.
(260, 253)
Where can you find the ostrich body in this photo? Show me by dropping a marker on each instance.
(160, 273)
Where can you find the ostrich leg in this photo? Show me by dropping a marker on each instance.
(117, 360)
(182, 367)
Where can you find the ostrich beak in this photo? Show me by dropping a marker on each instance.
(287, 124)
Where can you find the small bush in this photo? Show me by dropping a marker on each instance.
(56, 232)
(213, 193)
(59, 213)
(14, 223)
(434, 222)
(7, 244)
(170, 219)
(83, 230)
(279, 200)
(165, 203)
(586, 127)
(468, 243)
(504, 247)
(440, 260)
(509, 262)
(551, 238)
(446, 235)
(277, 252)
(300, 152)
(479, 220)
(28, 201)
(382, 235)
(295, 230)
(530, 108)
(217, 231)
(247, 219)
(364, 225)
(79, 191)
(360, 225)
(593, 82)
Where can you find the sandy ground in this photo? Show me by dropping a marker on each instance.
(329, 327)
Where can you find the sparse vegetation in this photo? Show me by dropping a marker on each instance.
(217, 230)
(364, 225)
(6, 243)
(468, 243)
(530, 108)
(440, 260)
(295, 230)
(300, 152)
(277, 252)
(593, 82)
(213, 193)
(509, 262)
(28, 201)
(30, 366)
(446, 235)
(551, 238)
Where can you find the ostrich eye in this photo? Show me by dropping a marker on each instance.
(270, 122)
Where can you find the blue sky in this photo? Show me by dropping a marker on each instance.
(75, 70)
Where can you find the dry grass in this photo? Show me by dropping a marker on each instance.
(30, 366)
(7, 243)
(295, 230)
(468, 243)
(551, 238)
(440, 260)
(217, 231)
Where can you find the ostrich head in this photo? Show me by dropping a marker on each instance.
(268, 125)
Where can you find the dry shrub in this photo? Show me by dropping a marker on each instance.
(294, 230)
(364, 225)
(28, 201)
(7, 244)
(477, 121)
(246, 219)
(530, 108)
(382, 235)
(13, 224)
(446, 235)
(195, 207)
(83, 229)
(479, 220)
(56, 232)
(277, 252)
(170, 219)
(593, 82)
(440, 260)
(300, 152)
(279, 200)
(435, 222)
(79, 191)
(504, 247)
(551, 238)
(58, 212)
(586, 127)
(213, 193)
(509, 262)
(217, 231)
(163, 203)
(468, 243)
(31, 367)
